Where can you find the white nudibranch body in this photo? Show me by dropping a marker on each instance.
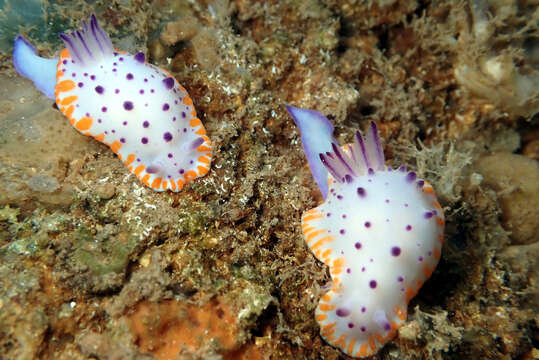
(380, 231)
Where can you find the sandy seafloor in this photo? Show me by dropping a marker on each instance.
(93, 265)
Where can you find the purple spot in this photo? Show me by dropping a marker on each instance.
(64, 62)
(80, 84)
(141, 91)
(152, 91)
(85, 74)
(405, 205)
(328, 214)
(169, 82)
(87, 114)
(104, 109)
(99, 121)
(116, 91)
(420, 258)
(408, 227)
(115, 64)
(428, 215)
(99, 89)
(373, 284)
(167, 136)
(342, 312)
(342, 231)
(113, 131)
(367, 224)
(183, 114)
(92, 77)
(121, 58)
(402, 168)
(429, 253)
(361, 192)
(350, 325)
(73, 74)
(387, 201)
(169, 155)
(339, 197)
(114, 70)
(145, 80)
(348, 178)
(181, 171)
(140, 57)
(348, 271)
(400, 279)
(363, 309)
(174, 118)
(363, 269)
(184, 129)
(344, 216)
(395, 251)
(129, 76)
(357, 245)
(387, 327)
(122, 140)
(166, 107)
(128, 105)
(420, 183)
(363, 329)
(370, 171)
(145, 124)
(411, 176)
(144, 140)
(124, 123)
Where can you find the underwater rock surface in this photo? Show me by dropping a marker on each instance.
(94, 265)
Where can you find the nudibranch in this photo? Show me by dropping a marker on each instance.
(380, 231)
(137, 109)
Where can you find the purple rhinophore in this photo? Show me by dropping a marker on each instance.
(402, 168)
(420, 183)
